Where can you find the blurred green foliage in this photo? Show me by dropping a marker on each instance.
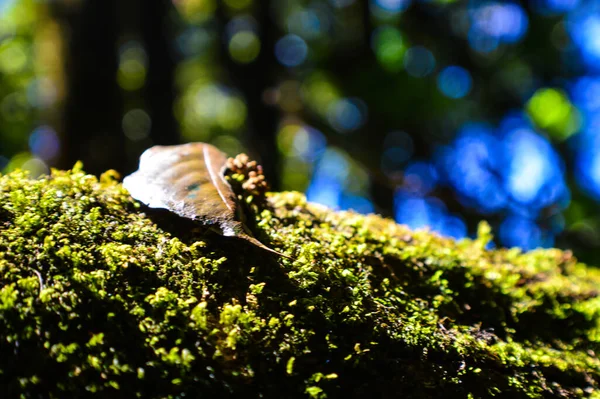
(437, 113)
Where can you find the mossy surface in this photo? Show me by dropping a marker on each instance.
(99, 297)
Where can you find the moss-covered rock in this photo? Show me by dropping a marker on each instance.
(100, 296)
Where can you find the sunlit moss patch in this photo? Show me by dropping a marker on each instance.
(98, 295)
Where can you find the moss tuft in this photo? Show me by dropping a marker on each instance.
(98, 295)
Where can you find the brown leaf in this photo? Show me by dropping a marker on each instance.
(189, 180)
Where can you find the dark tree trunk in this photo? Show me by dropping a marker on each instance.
(159, 89)
(93, 104)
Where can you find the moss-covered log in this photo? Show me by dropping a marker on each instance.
(100, 296)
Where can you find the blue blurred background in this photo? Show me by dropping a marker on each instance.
(435, 113)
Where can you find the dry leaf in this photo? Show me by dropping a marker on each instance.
(189, 180)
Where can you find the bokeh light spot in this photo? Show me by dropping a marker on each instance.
(287, 96)
(324, 191)
(196, 11)
(13, 56)
(389, 48)
(301, 141)
(334, 164)
(454, 82)
(307, 23)
(419, 212)
(291, 50)
(338, 182)
(482, 43)
(233, 114)
(505, 21)
(319, 92)
(532, 165)
(24, 160)
(517, 231)
(309, 143)
(346, 115)
(42, 92)
(591, 33)
(392, 6)
(212, 107)
(415, 212)
(586, 93)
(194, 41)
(419, 62)
(44, 143)
(244, 47)
(131, 74)
(420, 178)
(136, 124)
(326, 186)
(551, 109)
(453, 226)
(471, 166)
(36, 167)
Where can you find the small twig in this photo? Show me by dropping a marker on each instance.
(40, 279)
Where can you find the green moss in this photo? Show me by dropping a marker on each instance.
(100, 296)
